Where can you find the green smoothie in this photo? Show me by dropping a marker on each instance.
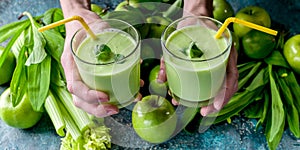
(120, 79)
(195, 79)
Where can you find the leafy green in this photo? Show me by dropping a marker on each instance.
(276, 58)
(19, 79)
(37, 49)
(54, 15)
(275, 124)
(38, 83)
(8, 30)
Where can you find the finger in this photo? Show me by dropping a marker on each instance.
(162, 77)
(230, 86)
(207, 110)
(142, 83)
(75, 84)
(138, 97)
(174, 102)
(85, 93)
(98, 110)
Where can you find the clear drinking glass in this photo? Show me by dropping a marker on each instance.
(115, 71)
(195, 81)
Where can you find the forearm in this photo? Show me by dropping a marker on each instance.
(198, 7)
(70, 6)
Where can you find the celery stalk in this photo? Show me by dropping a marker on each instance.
(55, 114)
(71, 127)
(80, 117)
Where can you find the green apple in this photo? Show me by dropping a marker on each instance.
(8, 67)
(157, 87)
(257, 44)
(154, 119)
(236, 42)
(222, 10)
(146, 50)
(291, 52)
(157, 25)
(254, 14)
(124, 6)
(98, 10)
(22, 116)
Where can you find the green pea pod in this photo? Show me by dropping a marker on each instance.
(38, 76)
(276, 122)
(290, 108)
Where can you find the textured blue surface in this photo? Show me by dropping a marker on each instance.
(238, 135)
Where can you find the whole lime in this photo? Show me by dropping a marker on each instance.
(7, 68)
(22, 116)
(154, 119)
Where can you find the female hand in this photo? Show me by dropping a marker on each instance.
(85, 98)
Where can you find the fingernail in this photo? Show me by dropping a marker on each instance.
(112, 112)
(103, 100)
(218, 106)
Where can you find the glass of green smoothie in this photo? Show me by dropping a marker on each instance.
(111, 61)
(195, 60)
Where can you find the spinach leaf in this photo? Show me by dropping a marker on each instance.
(53, 15)
(39, 82)
(36, 50)
(8, 30)
(277, 59)
(18, 85)
(276, 122)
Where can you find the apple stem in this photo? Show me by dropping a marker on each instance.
(250, 12)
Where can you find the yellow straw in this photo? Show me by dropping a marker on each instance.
(245, 23)
(64, 21)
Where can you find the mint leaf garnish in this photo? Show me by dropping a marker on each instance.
(119, 58)
(193, 51)
(103, 52)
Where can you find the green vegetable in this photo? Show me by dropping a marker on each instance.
(55, 114)
(54, 15)
(39, 73)
(193, 51)
(275, 125)
(289, 106)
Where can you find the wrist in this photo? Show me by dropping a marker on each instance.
(71, 7)
(198, 7)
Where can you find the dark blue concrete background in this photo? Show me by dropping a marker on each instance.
(238, 135)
